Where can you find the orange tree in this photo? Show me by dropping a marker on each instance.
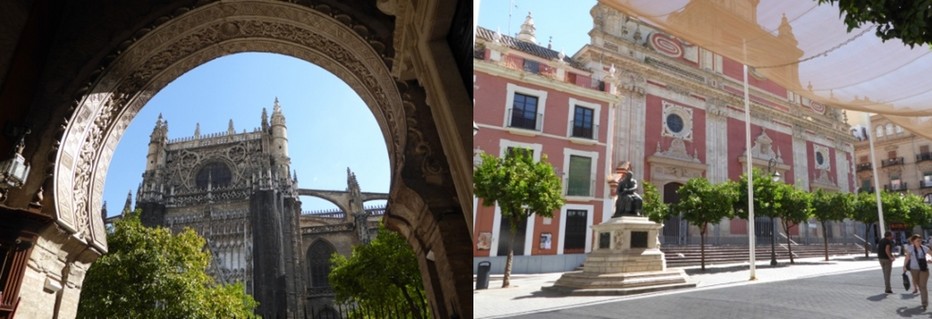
(654, 208)
(521, 188)
(795, 207)
(830, 207)
(702, 203)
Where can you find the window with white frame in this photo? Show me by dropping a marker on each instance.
(524, 112)
(574, 240)
(582, 122)
(584, 119)
(579, 169)
(524, 108)
(879, 131)
(889, 130)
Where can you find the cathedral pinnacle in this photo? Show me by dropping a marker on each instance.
(197, 130)
(230, 129)
(127, 207)
(265, 119)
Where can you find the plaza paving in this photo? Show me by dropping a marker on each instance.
(843, 287)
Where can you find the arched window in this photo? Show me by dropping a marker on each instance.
(899, 129)
(879, 131)
(889, 129)
(318, 260)
(216, 174)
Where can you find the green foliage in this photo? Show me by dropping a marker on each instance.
(766, 196)
(379, 277)
(516, 182)
(831, 206)
(909, 21)
(702, 203)
(150, 273)
(795, 205)
(654, 208)
(917, 212)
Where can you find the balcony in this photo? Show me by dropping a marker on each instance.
(892, 162)
(927, 156)
(925, 184)
(581, 131)
(864, 167)
(895, 187)
(525, 120)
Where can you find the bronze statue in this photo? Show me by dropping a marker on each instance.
(628, 202)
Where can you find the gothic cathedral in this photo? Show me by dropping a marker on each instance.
(237, 191)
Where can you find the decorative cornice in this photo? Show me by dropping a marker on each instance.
(521, 76)
(704, 89)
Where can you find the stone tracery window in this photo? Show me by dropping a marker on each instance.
(216, 174)
(318, 260)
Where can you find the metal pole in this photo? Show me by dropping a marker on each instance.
(773, 231)
(750, 163)
(870, 140)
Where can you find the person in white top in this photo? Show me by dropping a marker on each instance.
(918, 266)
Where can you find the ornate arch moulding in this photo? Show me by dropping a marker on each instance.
(182, 43)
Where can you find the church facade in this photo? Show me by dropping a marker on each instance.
(237, 191)
(675, 111)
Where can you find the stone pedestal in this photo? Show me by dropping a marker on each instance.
(626, 260)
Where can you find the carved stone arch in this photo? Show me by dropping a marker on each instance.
(185, 42)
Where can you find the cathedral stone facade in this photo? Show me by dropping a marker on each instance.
(237, 191)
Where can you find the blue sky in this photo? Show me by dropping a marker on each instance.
(568, 22)
(329, 126)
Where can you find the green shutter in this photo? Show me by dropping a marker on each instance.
(579, 180)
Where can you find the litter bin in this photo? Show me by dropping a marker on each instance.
(482, 277)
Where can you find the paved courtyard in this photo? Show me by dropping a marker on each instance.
(843, 287)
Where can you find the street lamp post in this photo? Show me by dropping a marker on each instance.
(773, 234)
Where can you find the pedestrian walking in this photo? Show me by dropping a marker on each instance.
(918, 267)
(886, 257)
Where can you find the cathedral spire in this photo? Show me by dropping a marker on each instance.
(127, 207)
(230, 129)
(265, 119)
(160, 131)
(197, 130)
(103, 211)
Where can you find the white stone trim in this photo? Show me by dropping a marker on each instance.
(504, 144)
(685, 113)
(590, 211)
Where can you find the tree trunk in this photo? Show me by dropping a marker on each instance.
(506, 280)
(789, 246)
(867, 230)
(825, 239)
(414, 309)
(702, 246)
